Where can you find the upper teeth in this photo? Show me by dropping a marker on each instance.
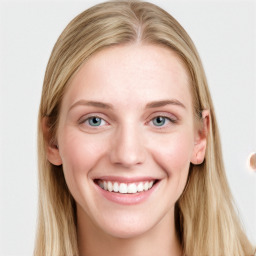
(125, 188)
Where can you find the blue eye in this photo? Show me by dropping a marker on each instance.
(94, 121)
(160, 120)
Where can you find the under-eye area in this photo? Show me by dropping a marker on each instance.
(125, 188)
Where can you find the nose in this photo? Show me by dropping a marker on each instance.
(127, 147)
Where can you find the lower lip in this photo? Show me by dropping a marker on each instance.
(127, 199)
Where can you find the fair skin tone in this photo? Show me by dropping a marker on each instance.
(127, 118)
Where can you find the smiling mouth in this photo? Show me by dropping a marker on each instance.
(125, 188)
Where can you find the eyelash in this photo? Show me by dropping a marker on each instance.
(166, 118)
(169, 120)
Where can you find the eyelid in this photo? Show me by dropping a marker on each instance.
(171, 120)
(169, 116)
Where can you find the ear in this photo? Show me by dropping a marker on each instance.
(51, 146)
(201, 139)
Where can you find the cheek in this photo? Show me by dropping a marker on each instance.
(79, 153)
(174, 154)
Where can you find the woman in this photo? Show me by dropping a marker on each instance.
(130, 160)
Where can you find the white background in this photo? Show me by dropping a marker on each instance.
(225, 35)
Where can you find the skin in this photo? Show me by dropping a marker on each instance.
(128, 144)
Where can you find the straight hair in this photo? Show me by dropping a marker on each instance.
(206, 220)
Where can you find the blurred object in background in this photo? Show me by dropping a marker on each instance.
(252, 161)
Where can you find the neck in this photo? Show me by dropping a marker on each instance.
(160, 240)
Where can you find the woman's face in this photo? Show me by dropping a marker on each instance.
(126, 138)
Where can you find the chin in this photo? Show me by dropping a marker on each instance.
(128, 225)
(125, 232)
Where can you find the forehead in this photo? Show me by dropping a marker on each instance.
(130, 73)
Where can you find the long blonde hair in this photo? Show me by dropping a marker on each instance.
(206, 221)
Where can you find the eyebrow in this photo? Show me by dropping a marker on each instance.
(91, 103)
(153, 104)
(161, 103)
